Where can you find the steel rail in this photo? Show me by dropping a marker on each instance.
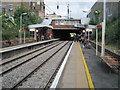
(37, 68)
(50, 81)
(24, 55)
(8, 70)
(57, 77)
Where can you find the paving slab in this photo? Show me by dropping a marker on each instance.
(74, 75)
(102, 76)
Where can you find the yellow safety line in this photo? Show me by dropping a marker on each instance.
(87, 70)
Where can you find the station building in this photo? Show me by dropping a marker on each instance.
(112, 10)
(9, 7)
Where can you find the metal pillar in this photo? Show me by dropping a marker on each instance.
(24, 36)
(35, 38)
(20, 34)
(103, 31)
(96, 41)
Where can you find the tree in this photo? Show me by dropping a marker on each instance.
(8, 27)
(11, 24)
(113, 32)
(30, 18)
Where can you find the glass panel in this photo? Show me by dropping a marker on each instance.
(3, 8)
(10, 7)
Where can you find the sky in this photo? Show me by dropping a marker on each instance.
(75, 6)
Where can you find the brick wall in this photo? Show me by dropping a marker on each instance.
(61, 26)
(38, 7)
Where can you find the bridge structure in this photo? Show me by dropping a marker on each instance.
(56, 28)
(63, 27)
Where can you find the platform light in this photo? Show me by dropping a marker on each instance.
(103, 30)
(36, 30)
(21, 28)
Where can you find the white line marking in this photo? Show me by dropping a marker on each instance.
(24, 46)
(56, 80)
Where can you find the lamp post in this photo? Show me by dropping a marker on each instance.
(103, 30)
(97, 15)
(68, 10)
(87, 11)
(20, 35)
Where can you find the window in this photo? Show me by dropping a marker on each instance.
(0, 8)
(10, 7)
(56, 22)
(33, 5)
(65, 22)
(3, 8)
(38, 2)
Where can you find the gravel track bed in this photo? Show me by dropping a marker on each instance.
(23, 59)
(11, 78)
(24, 53)
(43, 75)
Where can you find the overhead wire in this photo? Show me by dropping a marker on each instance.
(49, 8)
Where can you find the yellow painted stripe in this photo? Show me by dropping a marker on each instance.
(87, 70)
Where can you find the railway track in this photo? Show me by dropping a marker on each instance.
(42, 70)
(8, 60)
(11, 64)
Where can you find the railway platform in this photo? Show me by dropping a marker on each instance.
(82, 68)
(76, 74)
(7, 52)
(85, 70)
(6, 49)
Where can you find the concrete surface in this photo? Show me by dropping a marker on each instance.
(74, 75)
(101, 74)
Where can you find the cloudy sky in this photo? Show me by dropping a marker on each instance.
(75, 6)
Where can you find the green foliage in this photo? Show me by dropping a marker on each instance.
(8, 27)
(28, 19)
(113, 32)
(92, 22)
(112, 29)
(99, 35)
(93, 37)
(11, 24)
(97, 18)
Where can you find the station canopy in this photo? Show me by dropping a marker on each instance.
(45, 23)
(82, 26)
(91, 26)
(79, 26)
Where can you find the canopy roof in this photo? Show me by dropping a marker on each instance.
(91, 26)
(82, 26)
(39, 26)
(45, 23)
(79, 26)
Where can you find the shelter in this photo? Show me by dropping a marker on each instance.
(43, 29)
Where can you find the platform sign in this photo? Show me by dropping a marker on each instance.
(89, 30)
(21, 30)
(99, 25)
(32, 29)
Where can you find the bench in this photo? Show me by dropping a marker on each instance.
(112, 62)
